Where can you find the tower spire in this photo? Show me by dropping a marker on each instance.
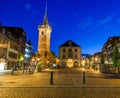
(45, 21)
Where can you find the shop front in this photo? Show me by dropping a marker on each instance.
(3, 64)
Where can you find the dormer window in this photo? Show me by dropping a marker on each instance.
(70, 43)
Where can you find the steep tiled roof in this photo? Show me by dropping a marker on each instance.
(69, 43)
(111, 40)
(16, 31)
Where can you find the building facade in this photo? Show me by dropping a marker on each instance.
(87, 61)
(44, 40)
(28, 52)
(70, 54)
(8, 49)
(12, 41)
(96, 61)
(107, 50)
(109, 47)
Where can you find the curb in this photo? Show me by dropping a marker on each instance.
(65, 86)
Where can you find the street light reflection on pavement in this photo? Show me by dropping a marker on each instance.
(83, 69)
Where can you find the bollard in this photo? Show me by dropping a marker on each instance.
(51, 77)
(23, 70)
(83, 77)
(12, 71)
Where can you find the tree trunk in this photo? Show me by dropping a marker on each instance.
(116, 69)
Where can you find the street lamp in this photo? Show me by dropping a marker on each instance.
(33, 59)
(38, 59)
(96, 59)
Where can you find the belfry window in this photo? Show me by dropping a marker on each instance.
(42, 33)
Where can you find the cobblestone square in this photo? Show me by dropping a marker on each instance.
(67, 83)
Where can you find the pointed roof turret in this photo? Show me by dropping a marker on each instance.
(45, 20)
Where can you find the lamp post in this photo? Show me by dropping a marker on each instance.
(83, 73)
(83, 77)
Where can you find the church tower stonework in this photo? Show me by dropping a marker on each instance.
(44, 37)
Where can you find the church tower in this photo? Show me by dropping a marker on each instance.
(44, 37)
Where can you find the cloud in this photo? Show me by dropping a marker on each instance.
(84, 23)
(106, 20)
(109, 24)
(104, 24)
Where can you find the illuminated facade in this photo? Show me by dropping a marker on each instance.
(87, 61)
(28, 52)
(109, 47)
(44, 39)
(70, 54)
(9, 49)
(12, 43)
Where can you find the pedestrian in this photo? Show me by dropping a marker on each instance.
(34, 67)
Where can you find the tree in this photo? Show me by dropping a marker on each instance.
(102, 58)
(115, 55)
(39, 66)
(118, 63)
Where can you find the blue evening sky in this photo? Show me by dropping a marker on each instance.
(89, 23)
